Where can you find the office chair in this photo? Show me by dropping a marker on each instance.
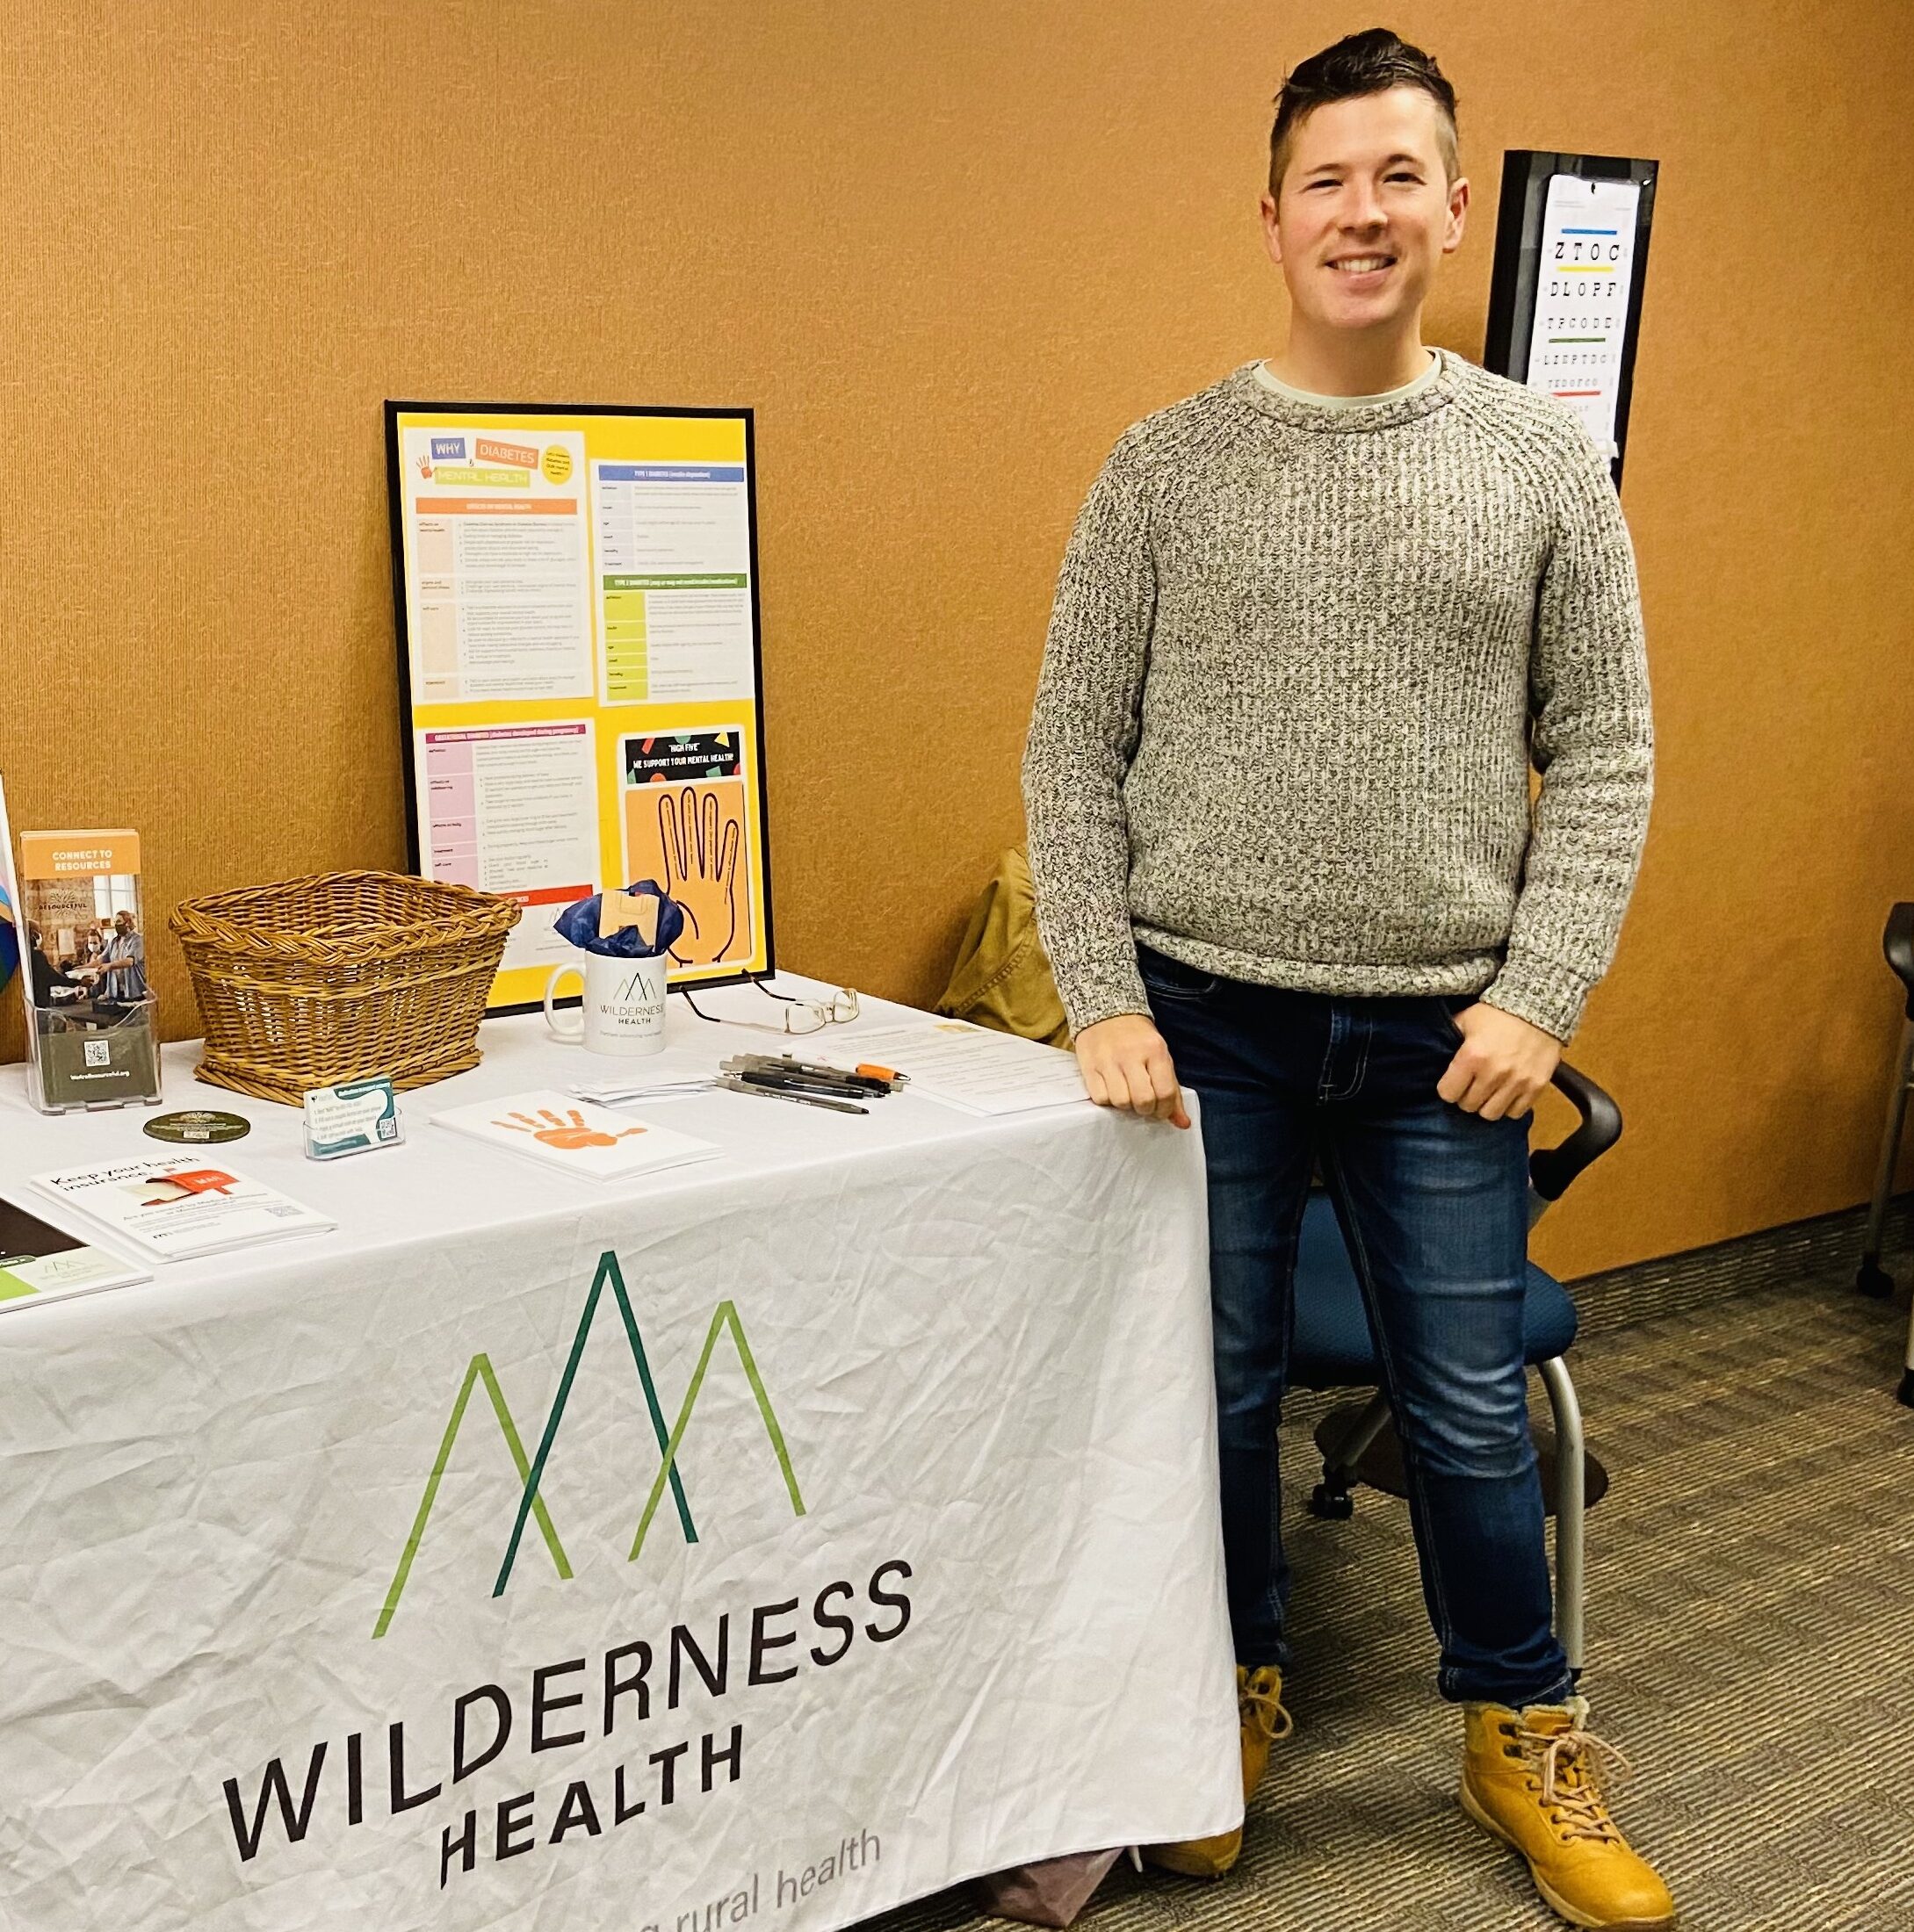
(1333, 1349)
(1897, 943)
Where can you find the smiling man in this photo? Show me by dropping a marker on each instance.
(1315, 627)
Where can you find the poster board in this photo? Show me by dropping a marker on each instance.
(575, 592)
(1565, 300)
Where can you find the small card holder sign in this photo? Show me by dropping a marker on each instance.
(354, 1117)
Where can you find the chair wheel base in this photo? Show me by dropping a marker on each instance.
(1333, 1505)
(1904, 1393)
(1874, 1281)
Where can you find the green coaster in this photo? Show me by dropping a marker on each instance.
(198, 1126)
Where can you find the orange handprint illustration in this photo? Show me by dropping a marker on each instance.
(688, 822)
(569, 1136)
(701, 847)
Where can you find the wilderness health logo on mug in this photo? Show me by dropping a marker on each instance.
(636, 1002)
(624, 1007)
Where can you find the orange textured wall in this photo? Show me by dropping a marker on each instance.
(948, 253)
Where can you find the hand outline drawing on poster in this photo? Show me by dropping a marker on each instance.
(701, 848)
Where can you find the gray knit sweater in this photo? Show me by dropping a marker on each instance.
(1300, 663)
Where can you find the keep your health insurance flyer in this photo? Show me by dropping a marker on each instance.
(580, 627)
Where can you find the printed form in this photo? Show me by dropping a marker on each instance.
(968, 1067)
(511, 809)
(500, 590)
(674, 563)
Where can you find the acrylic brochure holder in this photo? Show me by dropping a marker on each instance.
(92, 1032)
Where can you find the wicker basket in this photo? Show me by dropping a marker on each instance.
(338, 976)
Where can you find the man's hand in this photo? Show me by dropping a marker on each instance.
(1125, 1064)
(1501, 1065)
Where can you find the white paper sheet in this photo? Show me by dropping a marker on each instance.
(970, 1067)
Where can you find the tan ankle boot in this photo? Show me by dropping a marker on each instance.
(1261, 1720)
(1530, 1780)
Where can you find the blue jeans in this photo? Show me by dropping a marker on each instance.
(1434, 1205)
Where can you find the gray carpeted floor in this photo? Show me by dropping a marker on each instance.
(1751, 1648)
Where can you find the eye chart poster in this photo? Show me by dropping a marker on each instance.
(576, 600)
(1582, 299)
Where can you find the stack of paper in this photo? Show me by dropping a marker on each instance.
(575, 1135)
(967, 1066)
(42, 1263)
(614, 1092)
(173, 1210)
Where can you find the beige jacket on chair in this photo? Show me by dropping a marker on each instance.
(1002, 978)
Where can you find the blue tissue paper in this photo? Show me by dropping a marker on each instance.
(579, 924)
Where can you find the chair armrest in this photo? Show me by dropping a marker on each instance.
(1897, 943)
(1551, 1169)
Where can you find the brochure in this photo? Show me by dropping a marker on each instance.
(42, 1263)
(556, 1130)
(91, 1040)
(173, 1210)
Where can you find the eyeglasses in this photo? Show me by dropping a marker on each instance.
(800, 1016)
(813, 1015)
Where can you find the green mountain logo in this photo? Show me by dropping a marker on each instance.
(532, 1508)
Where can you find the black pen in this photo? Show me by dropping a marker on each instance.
(786, 1082)
(870, 1082)
(761, 1071)
(737, 1084)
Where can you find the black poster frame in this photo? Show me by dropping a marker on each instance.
(394, 409)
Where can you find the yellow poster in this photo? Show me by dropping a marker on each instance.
(577, 616)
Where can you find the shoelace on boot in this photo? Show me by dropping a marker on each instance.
(1568, 1787)
(1264, 1709)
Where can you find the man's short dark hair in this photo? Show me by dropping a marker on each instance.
(1370, 62)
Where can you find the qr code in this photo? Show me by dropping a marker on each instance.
(99, 1053)
(279, 1208)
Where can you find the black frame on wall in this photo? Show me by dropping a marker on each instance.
(395, 411)
(1518, 264)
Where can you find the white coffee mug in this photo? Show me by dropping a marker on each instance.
(623, 1009)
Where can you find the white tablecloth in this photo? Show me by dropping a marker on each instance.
(942, 1591)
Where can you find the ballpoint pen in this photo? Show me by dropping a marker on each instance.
(737, 1084)
(881, 1077)
(761, 1069)
(793, 1082)
(866, 1082)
